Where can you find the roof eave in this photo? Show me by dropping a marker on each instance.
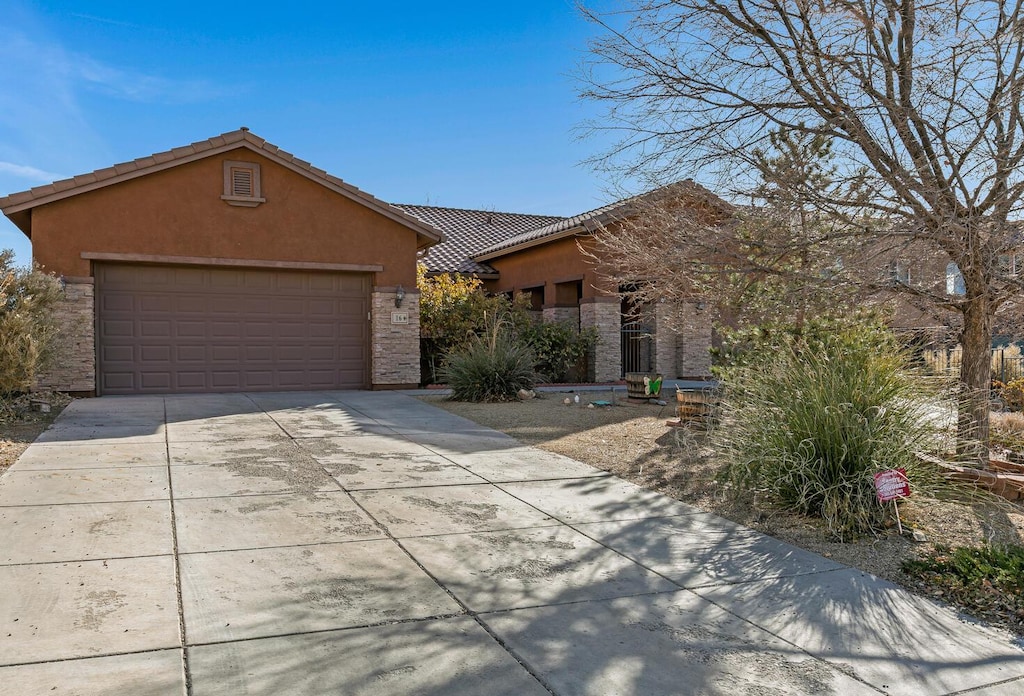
(522, 246)
(231, 141)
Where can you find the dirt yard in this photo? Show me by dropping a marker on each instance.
(20, 424)
(632, 441)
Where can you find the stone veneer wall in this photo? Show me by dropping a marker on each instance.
(395, 356)
(563, 314)
(604, 316)
(74, 369)
(666, 341)
(694, 342)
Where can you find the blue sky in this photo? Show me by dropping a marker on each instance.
(464, 104)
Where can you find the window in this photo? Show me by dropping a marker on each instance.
(242, 184)
(899, 273)
(954, 280)
(1008, 266)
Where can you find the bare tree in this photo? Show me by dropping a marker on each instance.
(918, 102)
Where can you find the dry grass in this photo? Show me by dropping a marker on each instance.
(633, 442)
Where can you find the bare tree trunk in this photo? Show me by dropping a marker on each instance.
(975, 381)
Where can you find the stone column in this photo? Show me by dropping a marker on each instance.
(562, 313)
(604, 315)
(395, 346)
(693, 358)
(665, 340)
(74, 366)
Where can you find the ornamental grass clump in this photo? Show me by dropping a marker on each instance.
(810, 419)
(493, 366)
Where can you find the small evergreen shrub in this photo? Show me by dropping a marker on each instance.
(493, 366)
(809, 417)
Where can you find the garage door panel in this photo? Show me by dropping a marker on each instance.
(154, 329)
(228, 354)
(118, 327)
(190, 381)
(152, 354)
(165, 329)
(156, 380)
(123, 353)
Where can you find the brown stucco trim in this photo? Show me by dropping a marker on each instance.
(557, 305)
(571, 232)
(394, 288)
(600, 300)
(250, 263)
(393, 387)
(79, 280)
(568, 279)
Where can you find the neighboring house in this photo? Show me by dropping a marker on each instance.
(226, 265)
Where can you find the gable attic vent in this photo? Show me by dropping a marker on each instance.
(242, 184)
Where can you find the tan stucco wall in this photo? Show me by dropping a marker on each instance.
(179, 212)
(547, 264)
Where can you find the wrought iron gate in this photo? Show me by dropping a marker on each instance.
(637, 348)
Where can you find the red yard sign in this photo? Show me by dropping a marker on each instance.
(891, 484)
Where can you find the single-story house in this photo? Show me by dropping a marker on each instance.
(226, 265)
(232, 265)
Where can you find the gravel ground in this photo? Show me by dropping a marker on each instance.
(632, 441)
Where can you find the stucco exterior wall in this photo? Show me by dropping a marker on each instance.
(179, 212)
(547, 265)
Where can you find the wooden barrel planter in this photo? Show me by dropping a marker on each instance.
(694, 404)
(637, 389)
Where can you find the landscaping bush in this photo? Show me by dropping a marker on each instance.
(494, 366)
(988, 581)
(559, 348)
(454, 311)
(27, 327)
(812, 414)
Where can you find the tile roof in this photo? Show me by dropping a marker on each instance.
(592, 219)
(468, 232)
(23, 201)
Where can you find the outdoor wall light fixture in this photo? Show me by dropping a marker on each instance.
(399, 296)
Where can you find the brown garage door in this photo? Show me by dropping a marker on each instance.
(164, 329)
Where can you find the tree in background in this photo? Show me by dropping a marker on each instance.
(918, 103)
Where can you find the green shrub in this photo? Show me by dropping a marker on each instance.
(811, 416)
(560, 349)
(27, 327)
(987, 580)
(493, 366)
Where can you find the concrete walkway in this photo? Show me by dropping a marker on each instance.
(367, 543)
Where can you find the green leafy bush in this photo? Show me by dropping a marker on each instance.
(27, 326)
(987, 580)
(811, 415)
(494, 366)
(454, 311)
(560, 349)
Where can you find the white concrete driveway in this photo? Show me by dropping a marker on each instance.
(368, 543)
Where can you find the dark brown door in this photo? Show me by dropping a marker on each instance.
(164, 329)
